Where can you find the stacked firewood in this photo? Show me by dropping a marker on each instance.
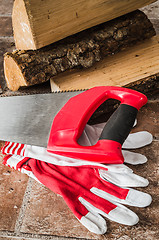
(77, 47)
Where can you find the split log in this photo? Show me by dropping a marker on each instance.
(28, 67)
(136, 68)
(39, 23)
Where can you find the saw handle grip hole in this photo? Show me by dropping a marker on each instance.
(118, 124)
(97, 122)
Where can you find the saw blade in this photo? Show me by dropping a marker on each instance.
(28, 119)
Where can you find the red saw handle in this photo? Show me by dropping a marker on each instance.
(70, 122)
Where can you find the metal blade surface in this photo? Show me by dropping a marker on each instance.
(28, 119)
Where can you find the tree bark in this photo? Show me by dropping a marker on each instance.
(28, 67)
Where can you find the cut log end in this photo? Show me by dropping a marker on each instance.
(22, 28)
(13, 74)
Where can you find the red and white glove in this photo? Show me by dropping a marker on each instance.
(89, 192)
(89, 137)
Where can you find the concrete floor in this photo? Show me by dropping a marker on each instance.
(30, 211)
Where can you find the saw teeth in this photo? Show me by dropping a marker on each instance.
(13, 94)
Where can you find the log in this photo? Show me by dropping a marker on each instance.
(136, 68)
(82, 50)
(39, 23)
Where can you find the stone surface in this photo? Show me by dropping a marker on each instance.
(6, 35)
(148, 118)
(152, 11)
(12, 184)
(6, 27)
(33, 237)
(6, 7)
(11, 238)
(6, 44)
(155, 23)
(47, 213)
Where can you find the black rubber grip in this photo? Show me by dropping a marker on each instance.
(120, 124)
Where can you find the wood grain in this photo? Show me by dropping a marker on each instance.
(136, 65)
(82, 50)
(39, 23)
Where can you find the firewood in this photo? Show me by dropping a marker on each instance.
(39, 23)
(136, 68)
(82, 50)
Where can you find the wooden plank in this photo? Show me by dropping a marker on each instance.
(136, 65)
(39, 23)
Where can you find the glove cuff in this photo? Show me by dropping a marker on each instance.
(16, 162)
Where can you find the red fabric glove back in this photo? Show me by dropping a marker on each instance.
(66, 181)
(87, 191)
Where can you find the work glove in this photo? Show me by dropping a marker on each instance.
(91, 193)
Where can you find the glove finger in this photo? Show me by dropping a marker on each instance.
(133, 158)
(119, 213)
(124, 179)
(137, 140)
(132, 198)
(90, 219)
(94, 222)
(123, 215)
(118, 168)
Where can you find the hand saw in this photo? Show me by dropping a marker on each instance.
(57, 120)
